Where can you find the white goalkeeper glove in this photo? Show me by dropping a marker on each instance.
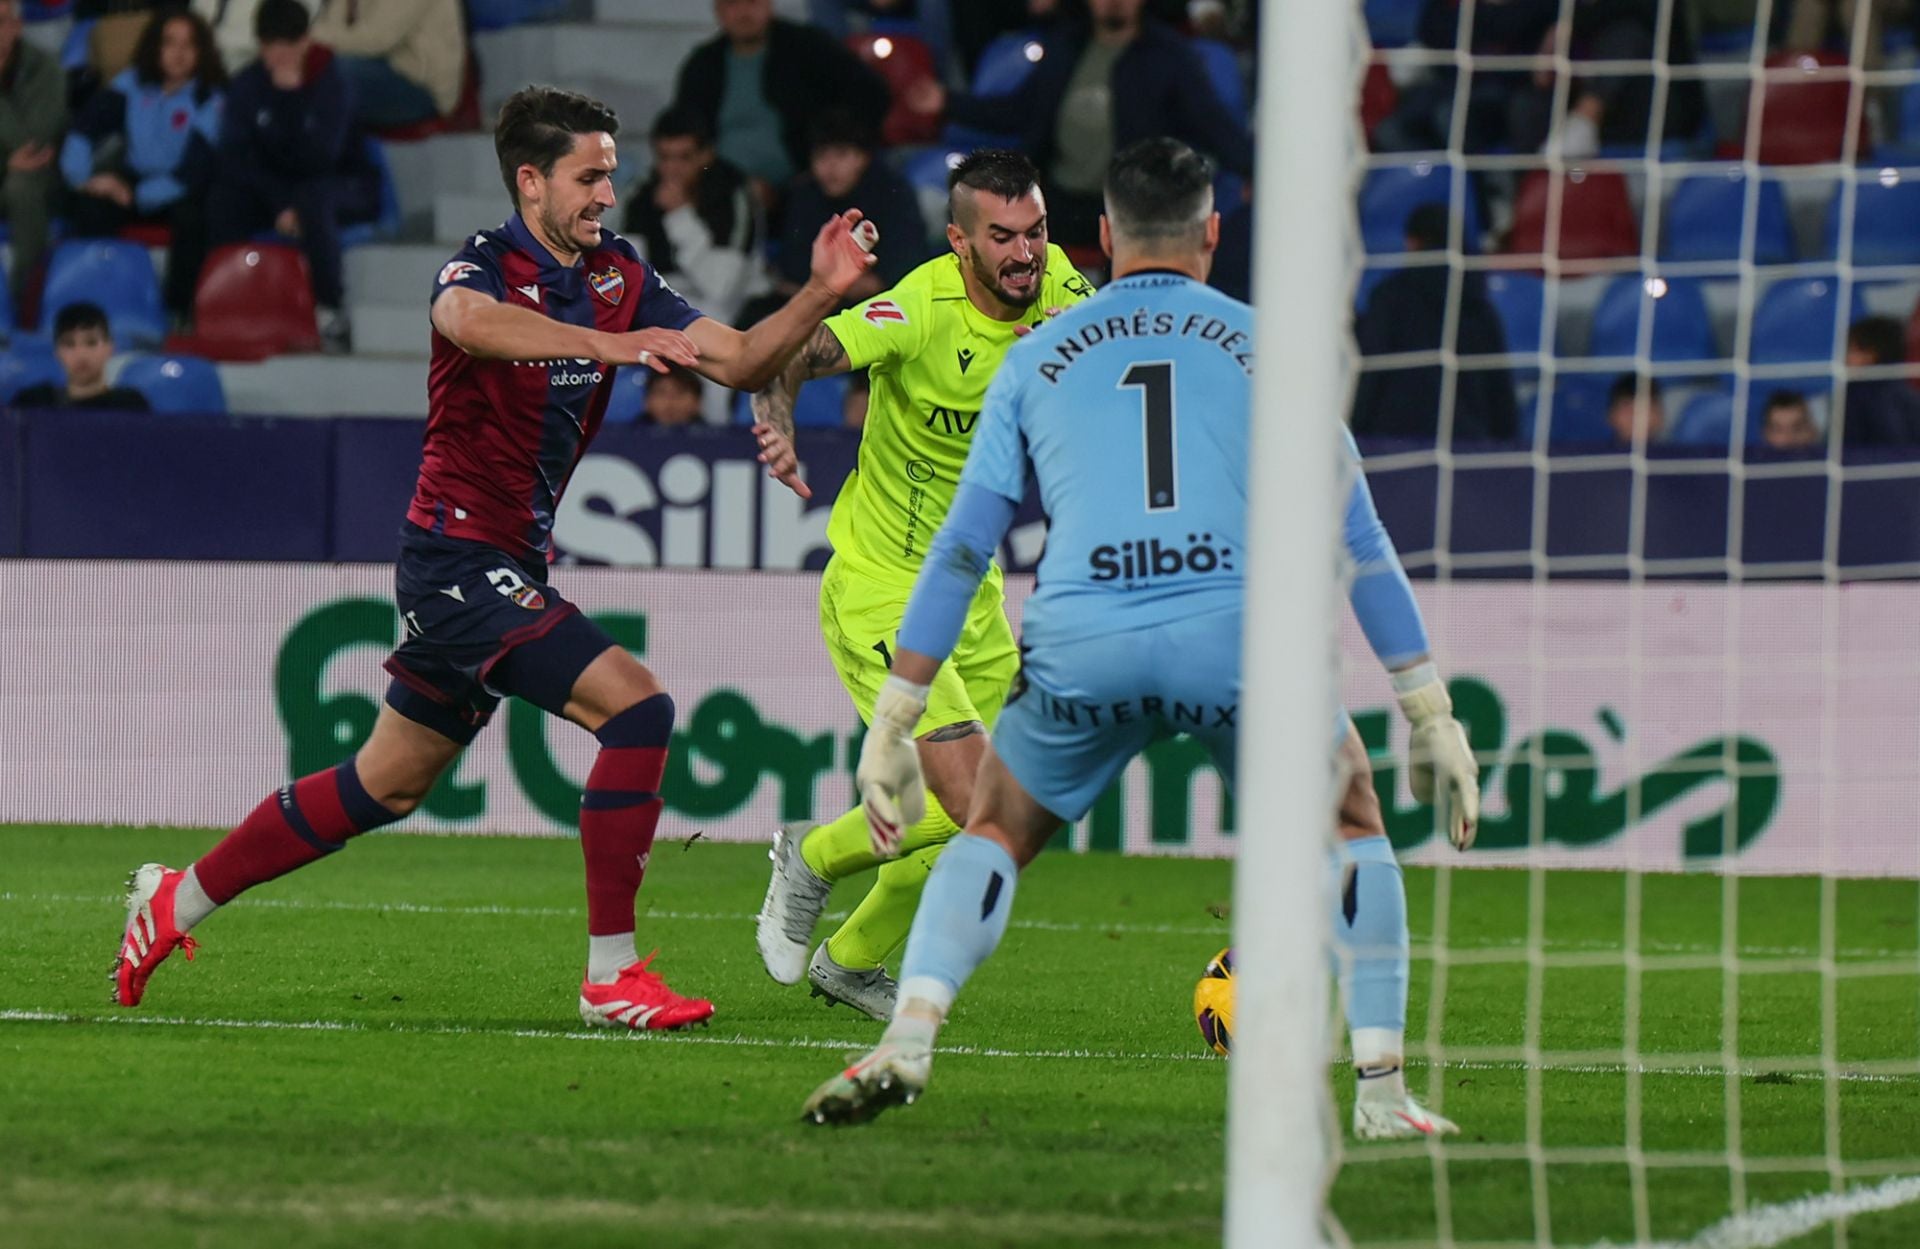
(892, 788)
(1441, 767)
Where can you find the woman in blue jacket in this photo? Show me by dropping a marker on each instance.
(142, 149)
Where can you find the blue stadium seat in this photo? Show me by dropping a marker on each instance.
(28, 361)
(77, 48)
(1519, 300)
(1703, 220)
(821, 405)
(1797, 319)
(1223, 71)
(1391, 192)
(1393, 23)
(176, 385)
(500, 14)
(629, 397)
(1682, 330)
(117, 275)
(1886, 220)
(1004, 65)
(387, 224)
(1580, 409)
(1706, 421)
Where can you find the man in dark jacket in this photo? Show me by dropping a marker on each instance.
(33, 111)
(1408, 312)
(1880, 411)
(283, 161)
(1098, 88)
(760, 82)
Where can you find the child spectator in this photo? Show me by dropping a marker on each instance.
(403, 59)
(1632, 417)
(84, 343)
(841, 174)
(1788, 423)
(1880, 411)
(142, 149)
(283, 158)
(33, 112)
(673, 398)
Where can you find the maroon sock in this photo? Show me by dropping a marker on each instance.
(310, 818)
(620, 810)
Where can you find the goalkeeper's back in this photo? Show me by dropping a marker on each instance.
(1131, 410)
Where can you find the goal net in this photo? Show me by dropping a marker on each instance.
(1632, 290)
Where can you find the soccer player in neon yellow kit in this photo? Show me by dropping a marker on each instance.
(930, 346)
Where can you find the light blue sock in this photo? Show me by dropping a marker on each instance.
(1370, 939)
(962, 916)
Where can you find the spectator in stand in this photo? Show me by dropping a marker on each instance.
(33, 111)
(1098, 87)
(232, 22)
(1408, 312)
(403, 60)
(1609, 109)
(1636, 412)
(282, 162)
(1812, 19)
(83, 341)
(675, 397)
(763, 79)
(841, 174)
(1880, 411)
(697, 221)
(142, 149)
(933, 19)
(1788, 423)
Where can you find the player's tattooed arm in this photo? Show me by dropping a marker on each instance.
(821, 355)
(954, 732)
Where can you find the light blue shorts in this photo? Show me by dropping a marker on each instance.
(1080, 711)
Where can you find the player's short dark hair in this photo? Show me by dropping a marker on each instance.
(80, 316)
(280, 21)
(1159, 189)
(996, 170)
(1883, 338)
(679, 122)
(1627, 386)
(537, 127)
(842, 127)
(1426, 227)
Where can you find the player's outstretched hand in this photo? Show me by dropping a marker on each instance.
(1021, 331)
(782, 461)
(1441, 767)
(892, 789)
(659, 350)
(838, 258)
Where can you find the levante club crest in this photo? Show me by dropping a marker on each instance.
(609, 284)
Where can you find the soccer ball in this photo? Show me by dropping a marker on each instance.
(1213, 1003)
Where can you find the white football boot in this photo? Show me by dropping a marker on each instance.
(1383, 1110)
(871, 990)
(795, 899)
(893, 1073)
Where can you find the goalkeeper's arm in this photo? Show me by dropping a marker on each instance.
(1442, 768)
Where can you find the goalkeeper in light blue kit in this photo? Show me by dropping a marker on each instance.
(1131, 411)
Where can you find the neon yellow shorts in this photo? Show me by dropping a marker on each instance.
(860, 618)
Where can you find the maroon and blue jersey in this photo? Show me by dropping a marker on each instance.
(503, 436)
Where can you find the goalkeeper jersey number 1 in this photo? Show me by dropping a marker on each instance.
(929, 354)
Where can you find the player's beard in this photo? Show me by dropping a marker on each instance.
(569, 231)
(990, 278)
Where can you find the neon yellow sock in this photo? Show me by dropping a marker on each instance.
(879, 925)
(836, 851)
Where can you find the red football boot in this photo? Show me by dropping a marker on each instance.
(151, 933)
(639, 999)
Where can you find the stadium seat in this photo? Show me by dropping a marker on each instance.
(113, 273)
(1706, 421)
(1519, 300)
(176, 385)
(1803, 117)
(1886, 219)
(1378, 98)
(28, 361)
(1393, 23)
(1682, 329)
(1596, 217)
(77, 47)
(629, 397)
(501, 14)
(1393, 191)
(820, 405)
(387, 224)
(906, 63)
(1580, 410)
(1705, 215)
(1797, 319)
(1223, 71)
(254, 300)
(1004, 65)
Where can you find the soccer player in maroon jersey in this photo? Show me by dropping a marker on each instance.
(529, 323)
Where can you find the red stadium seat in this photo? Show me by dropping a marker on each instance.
(254, 300)
(1378, 98)
(465, 114)
(148, 233)
(1803, 118)
(1596, 217)
(905, 62)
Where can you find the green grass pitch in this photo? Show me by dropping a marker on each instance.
(384, 1049)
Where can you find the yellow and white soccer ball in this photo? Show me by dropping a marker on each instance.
(1213, 1003)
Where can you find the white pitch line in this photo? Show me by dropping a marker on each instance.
(1762, 1227)
(848, 1045)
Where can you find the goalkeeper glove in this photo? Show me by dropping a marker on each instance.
(892, 789)
(1441, 767)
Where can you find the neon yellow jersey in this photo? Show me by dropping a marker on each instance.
(929, 354)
